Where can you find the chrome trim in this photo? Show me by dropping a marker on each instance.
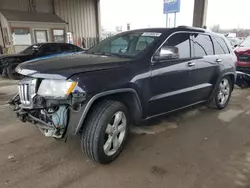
(26, 100)
(26, 90)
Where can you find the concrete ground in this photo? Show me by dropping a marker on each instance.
(194, 148)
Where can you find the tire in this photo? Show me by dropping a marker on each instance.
(215, 101)
(12, 73)
(97, 132)
(4, 74)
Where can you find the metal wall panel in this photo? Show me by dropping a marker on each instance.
(14, 4)
(81, 18)
(5, 25)
(45, 6)
(27, 5)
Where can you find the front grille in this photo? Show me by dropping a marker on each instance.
(243, 57)
(27, 90)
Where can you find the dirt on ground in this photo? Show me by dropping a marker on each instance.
(194, 148)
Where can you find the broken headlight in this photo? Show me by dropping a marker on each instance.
(56, 88)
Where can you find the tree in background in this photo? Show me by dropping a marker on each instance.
(241, 33)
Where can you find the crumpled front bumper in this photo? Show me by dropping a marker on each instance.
(243, 80)
(59, 123)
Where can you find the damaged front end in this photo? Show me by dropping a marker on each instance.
(243, 80)
(47, 110)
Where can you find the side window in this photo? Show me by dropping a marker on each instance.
(203, 45)
(49, 49)
(66, 48)
(220, 46)
(76, 48)
(182, 42)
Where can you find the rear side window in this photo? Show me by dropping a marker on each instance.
(182, 42)
(220, 46)
(50, 49)
(76, 48)
(203, 45)
(66, 48)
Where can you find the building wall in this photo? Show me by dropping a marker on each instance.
(81, 16)
(27, 5)
(5, 26)
(35, 26)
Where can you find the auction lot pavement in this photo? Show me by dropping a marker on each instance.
(194, 148)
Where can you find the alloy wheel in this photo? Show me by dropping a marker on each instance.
(115, 133)
(224, 91)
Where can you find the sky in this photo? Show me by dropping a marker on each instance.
(149, 13)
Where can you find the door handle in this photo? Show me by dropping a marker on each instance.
(190, 64)
(218, 60)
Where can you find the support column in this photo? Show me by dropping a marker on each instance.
(200, 13)
(98, 19)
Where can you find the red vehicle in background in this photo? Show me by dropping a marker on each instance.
(243, 54)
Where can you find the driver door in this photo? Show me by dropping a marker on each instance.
(171, 80)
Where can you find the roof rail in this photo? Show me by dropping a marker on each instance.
(190, 27)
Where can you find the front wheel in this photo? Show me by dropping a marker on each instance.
(222, 94)
(105, 131)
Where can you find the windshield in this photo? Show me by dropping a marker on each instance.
(125, 44)
(246, 42)
(30, 50)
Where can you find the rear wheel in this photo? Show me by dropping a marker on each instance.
(105, 131)
(11, 72)
(222, 94)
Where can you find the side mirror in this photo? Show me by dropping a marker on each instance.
(167, 53)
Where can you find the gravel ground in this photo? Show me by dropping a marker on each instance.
(194, 148)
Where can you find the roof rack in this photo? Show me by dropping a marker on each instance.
(190, 27)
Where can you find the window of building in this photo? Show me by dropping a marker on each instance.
(203, 45)
(58, 35)
(21, 36)
(182, 42)
(220, 46)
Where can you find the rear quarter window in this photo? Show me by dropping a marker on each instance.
(220, 46)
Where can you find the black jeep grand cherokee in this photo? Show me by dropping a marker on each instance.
(125, 79)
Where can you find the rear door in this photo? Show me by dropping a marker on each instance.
(223, 54)
(207, 69)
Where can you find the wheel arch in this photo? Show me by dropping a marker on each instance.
(231, 75)
(124, 95)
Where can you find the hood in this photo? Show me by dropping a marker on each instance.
(242, 50)
(66, 66)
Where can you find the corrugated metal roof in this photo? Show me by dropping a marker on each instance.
(25, 16)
